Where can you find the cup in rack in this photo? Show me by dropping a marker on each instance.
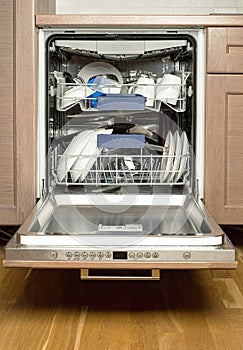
(144, 86)
(73, 94)
(168, 88)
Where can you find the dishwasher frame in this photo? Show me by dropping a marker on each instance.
(197, 34)
(189, 256)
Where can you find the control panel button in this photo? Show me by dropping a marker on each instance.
(84, 255)
(53, 254)
(147, 255)
(69, 255)
(100, 255)
(187, 255)
(139, 255)
(76, 254)
(155, 255)
(131, 255)
(108, 255)
(92, 255)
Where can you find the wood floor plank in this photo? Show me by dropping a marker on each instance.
(226, 341)
(231, 294)
(24, 328)
(106, 330)
(237, 275)
(144, 330)
(65, 329)
(235, 317)
(168, 341)
(168, 322)
(10, 282)
(81, 323)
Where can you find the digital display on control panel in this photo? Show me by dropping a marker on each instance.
(119, 255)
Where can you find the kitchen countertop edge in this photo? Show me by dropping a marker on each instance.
(62, 20)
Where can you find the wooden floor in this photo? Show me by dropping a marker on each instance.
(53, 309)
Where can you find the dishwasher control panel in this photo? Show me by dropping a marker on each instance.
(103, 255)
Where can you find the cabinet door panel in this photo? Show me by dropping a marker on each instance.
(18, 72)
(225, 50)
(7, 173)
(224, 148)
(17, 111)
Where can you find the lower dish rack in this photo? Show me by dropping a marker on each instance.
(121, 168)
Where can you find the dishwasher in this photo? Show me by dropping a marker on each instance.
(121, 132)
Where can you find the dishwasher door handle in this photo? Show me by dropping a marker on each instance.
(85, 275)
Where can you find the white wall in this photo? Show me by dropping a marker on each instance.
(149, 6)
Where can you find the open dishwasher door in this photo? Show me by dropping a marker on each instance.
(124, 160)
(147, 232)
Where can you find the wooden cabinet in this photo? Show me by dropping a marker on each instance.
(224, 125)
(7, 173)
(18, 107)
(225, 50)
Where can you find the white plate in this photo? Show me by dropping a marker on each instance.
(87, 156)
(70, 154)
(168, 161)
(184, 156)
(94, 69)
(164, 174)
(177, 159)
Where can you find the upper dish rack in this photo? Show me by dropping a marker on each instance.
(171, 90)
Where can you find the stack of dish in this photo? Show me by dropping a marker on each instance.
(80, 155)
(174, 162)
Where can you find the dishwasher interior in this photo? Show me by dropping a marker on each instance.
(120, 179)
(132, 100)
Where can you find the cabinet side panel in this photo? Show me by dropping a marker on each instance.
(25, 93)
(6, 105)
(224, 148)
(234, 147)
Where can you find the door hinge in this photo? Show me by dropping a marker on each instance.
(43, 188)
(197, 190)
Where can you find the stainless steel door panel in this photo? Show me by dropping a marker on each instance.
(69, 235)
